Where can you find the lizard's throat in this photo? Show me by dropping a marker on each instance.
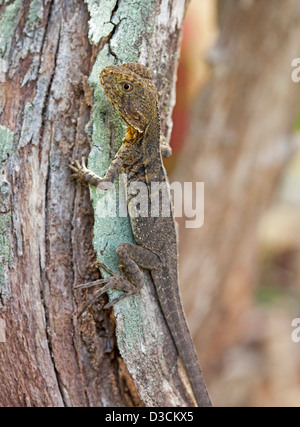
(132, 135)
(134, 119)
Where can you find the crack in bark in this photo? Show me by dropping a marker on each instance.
(47, 94)
(107, 39)
(43, 273)
(47, 20)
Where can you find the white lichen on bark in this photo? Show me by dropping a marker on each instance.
(6, 148)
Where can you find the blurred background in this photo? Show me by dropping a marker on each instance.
(236, 128)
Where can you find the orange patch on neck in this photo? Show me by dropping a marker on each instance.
(131, 135)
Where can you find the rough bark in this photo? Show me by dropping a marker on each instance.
(50, 358)
(241, 140)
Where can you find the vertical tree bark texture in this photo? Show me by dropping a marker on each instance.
(46, 55)
(49, 357)
(241, 139)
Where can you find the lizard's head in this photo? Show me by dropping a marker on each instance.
(131, 90)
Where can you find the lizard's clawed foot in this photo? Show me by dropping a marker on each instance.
(84, 175)
(115, 282)
(79, 170)
(100, 265)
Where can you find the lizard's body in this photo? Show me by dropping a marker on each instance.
(140, 157)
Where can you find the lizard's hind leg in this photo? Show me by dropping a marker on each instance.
(131, 256)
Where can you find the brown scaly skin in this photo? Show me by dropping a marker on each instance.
(131, 91)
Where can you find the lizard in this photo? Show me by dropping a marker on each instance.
(131, 90)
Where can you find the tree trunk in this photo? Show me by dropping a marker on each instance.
(49, 358)
(241, 140)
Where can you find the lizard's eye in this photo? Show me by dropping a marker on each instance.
(126, 87)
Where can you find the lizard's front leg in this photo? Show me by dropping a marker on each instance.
(127, 154)
(131, 257)
(83, 174)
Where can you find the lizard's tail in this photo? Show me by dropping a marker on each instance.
(170, 300)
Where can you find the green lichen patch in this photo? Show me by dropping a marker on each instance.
(5, 255)
(99, 23)
(8, 24)
(6, 142)
(35, 14)
(6, 148)
(5, 224)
